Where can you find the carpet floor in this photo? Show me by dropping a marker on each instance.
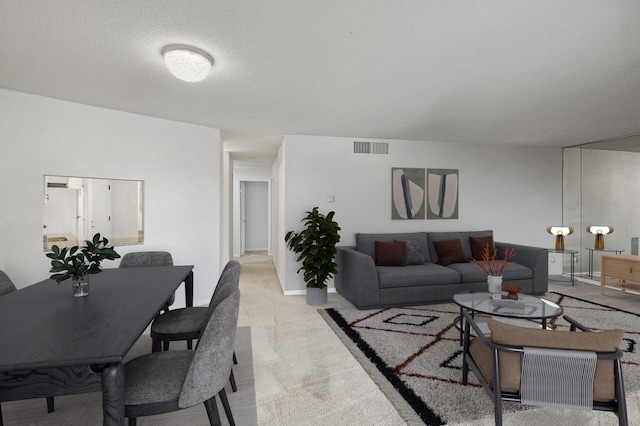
(413, 355)
(86, 409)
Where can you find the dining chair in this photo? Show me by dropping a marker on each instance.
(187, 323)
(140, 259)
(6, 287)
(162, 382)
(549, 368)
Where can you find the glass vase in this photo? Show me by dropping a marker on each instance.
(80, 287)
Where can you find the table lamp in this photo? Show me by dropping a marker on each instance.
(560, 232)
(599, 231)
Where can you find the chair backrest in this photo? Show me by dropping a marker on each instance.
(146, 258)
(230, 274)
(6, 285)
(213, 357)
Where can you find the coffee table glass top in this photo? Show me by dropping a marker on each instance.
(533, 308)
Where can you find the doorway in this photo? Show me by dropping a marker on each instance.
(254, 216)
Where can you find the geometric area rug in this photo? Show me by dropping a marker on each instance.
(414, 356)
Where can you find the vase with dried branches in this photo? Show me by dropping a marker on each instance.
(494, 267)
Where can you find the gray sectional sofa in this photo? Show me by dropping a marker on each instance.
(367, 285)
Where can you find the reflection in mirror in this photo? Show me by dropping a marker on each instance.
(76, 208)
(601, 183)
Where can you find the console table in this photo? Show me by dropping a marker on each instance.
(623, 267)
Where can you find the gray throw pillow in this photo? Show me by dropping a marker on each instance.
(413, 252)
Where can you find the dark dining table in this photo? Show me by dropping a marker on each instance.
(53, 344)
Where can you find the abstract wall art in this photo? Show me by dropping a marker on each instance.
(408, 193)
(442, 193)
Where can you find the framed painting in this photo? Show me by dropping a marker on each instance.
(408, 193)
(442, 193)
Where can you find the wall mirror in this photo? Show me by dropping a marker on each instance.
(76, 208)
(601, 183)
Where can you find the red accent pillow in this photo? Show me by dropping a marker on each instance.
(390, 254)
(450, 251)
(479, 243)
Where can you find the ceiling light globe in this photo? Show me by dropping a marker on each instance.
(187, 64)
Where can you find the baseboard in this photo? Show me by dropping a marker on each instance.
(304, 292)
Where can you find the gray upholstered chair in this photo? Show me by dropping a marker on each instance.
(187, 323)
(149, 258)
(566, 369)
(6, 287)
(162, 382)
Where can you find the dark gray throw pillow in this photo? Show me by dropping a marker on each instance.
(413, 252)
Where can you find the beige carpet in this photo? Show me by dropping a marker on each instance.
(87, 409)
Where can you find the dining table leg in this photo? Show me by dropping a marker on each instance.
(113, 395)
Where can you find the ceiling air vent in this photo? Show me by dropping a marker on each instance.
(360, 147)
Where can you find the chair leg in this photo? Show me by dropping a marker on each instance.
(133, 421)
(165, 345)
(190, 344)
(1, 422)
(156, 345)
(232, 379)
(235, 360)
(50, 406)
(212, 411)
(227, 407)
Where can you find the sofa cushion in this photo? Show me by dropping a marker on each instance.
(413, 252)
(450, 251)
(389, 254)
(416, 275)
(510, 363)
(365, 243)
(462, 236)
(470, 274)
(478, 244)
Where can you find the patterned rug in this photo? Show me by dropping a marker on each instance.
(414, 356)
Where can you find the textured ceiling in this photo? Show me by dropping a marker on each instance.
(547, 73)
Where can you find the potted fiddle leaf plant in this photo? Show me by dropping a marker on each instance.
(78, 263)
(315, 246)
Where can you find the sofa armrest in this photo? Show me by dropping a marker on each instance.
(357, 278)
(534, 258)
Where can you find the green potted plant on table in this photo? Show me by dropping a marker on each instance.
(315, 246)
(77, 263)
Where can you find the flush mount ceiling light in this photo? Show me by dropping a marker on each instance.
(187, 63)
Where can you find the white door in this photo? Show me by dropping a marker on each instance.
(99, 208)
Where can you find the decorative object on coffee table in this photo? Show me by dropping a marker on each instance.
(494, 267)
(512, 291)
(315, 246)
(560, 232)
(78, 263)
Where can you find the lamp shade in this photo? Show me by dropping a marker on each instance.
(599, 231)
(187, 63)
(560, 232)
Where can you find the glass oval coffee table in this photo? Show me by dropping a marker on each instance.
(527, 308)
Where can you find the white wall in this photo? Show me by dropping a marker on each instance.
(515, 191)
(180, 164)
